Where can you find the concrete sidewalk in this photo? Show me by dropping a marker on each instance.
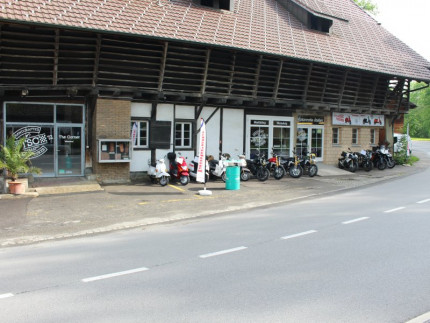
(82, 208)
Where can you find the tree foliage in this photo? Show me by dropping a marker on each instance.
(367, 5)
(419, 118)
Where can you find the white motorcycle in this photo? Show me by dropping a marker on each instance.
(158, 173)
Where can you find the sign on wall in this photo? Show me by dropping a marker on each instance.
(311, 120)
(352, 119)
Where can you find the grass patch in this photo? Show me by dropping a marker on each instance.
(421, 139)
(412, 160)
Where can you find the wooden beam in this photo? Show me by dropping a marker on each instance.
(97, 60)
(163, 67)
(278, 79)
(205, 75)
(230, 82)
(257, 77)
(308, 79)
(56, 54)
(342, 88)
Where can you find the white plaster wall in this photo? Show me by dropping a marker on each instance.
(184, 112)
(142, 110)
(233, 132)
(139, 158)
(212, 131)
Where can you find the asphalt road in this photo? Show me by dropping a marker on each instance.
(361, 256)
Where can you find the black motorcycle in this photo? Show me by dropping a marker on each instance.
(258, 167)
(365, 160)
(348, 161)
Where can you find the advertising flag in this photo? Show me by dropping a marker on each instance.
(134, 134)
(202, 153)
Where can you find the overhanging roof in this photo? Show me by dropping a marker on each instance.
(356, 40)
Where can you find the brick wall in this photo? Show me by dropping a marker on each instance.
(111, 121)
(332, 151)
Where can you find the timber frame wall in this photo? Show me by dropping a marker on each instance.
(51, 63)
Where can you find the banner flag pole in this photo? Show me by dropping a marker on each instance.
(201, 168)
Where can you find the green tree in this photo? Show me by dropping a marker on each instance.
(367, 5)
(419, 118)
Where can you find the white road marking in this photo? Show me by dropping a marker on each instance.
(421, 319)
(356, 220)
(6, 295)
(299, 234)
(423, 201)
(394, 210)
(121, 273)
(222, 252)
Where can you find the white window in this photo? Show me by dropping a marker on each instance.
(355, 136)
(183, 134)
(335, 138)
(142, 133)
(372, 136)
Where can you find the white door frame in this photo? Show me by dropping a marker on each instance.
(310, 127)
(271, 120)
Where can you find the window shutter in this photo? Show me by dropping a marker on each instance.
(159, 135)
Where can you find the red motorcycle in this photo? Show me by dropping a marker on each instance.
(178, 168)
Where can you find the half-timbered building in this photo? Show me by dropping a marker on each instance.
(76, 76)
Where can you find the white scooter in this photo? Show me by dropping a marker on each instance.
(158, 173)
(218, 167)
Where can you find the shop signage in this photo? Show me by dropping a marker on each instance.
(342, 119)
(35, 141)
(259, 122)
(282, 123)
(311, 120)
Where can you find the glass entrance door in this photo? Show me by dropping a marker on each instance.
(310, 139)
(69, 151)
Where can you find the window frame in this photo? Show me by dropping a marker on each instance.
(355, 136)
(335, 137)
(373, 136)
(182, 146)
(138, 136)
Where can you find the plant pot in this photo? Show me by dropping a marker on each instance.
(16, 187)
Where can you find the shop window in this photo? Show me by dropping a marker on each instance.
(140, 129)
(183, 134)
(336, 138)
(355, 136)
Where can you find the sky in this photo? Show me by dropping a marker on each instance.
(408, 21)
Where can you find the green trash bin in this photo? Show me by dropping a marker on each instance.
(232, 181)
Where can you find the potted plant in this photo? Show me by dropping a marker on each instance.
(16, 161)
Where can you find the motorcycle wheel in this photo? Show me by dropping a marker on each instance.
(278, 172)
(263, 174)
(353, 166)
(224, 177)
(391, 163)
(367, 166)
(245, 176)
(164, 180)
(184, 180)
(295, 171)
(340, 165)
(313, 170)
(381, 164)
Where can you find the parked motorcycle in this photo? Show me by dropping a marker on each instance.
(158, 172)
(295, 170)
(378, 159)
(309, 164)
(178, 168)
(389, 160)
(194, 165)
(275, 166)
(258, 168)
(348, 161)
(364, 159)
